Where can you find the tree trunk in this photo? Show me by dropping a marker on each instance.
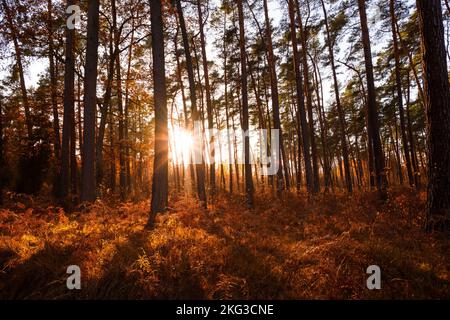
(88, 192)
(301, 113)
(399, 94)
(373, 122)
(209, 105)
(2, 157)
(245, 125)
(54, 101)
(200, 172)
(18, 54)
(437, 102)
(341, 115)
(160, 183)
(307, 90)
(275, 101)
(69, 105)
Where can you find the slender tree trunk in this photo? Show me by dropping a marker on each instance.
(437, 102)
(122, 172)
(88, 192)
(160, 183)
(341, 115)
(301, 113)
(414, 160)
(54, 101)
(113, 54)
(209, 104)
(399, 94)
(227, 113)
(2, 157)
(323, 127)
(112, 152)
(373, 122)
(249, 188)
(308, 96)
(18, 54)
(275, 101)
(127, 111)
(69, 105)
(195, 114)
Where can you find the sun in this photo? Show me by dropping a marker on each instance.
(181, 143)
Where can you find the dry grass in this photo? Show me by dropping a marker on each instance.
(294, 248)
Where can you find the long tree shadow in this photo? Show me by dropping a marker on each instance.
(42, 276)
(117, 282)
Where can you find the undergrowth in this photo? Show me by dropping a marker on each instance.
(297, 247)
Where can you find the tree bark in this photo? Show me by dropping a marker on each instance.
(160, 183)
(209, 104)
(18, 54)
(437, 102)
(308, 96)
(341, 115)
(88, 192)
(244, 91)
(398, 81)
(200, 172)
(301, 113)
(373, 121)
(69, 105)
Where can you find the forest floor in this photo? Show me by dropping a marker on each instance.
(293, 248)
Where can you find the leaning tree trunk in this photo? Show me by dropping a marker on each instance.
(373, 122)
(160, 184)
(437, 102)
(88, 191)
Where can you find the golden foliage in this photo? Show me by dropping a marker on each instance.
(298, 247)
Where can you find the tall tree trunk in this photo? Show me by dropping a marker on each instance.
(127, 110)
(245, 125)
(160, 183)
(69, 105)
(209, 104)
(200, 170)
(18, 54)
(54, 101)
(414, 160)
(2, 157)
(308, 96)
(398, 80)
(113, 55)
(437, 102)
(341, 115)
(122, 165)
(301, 113)
(88, 192)
(323, 125)
(373, 122)
(275, 101)
(227, 114)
